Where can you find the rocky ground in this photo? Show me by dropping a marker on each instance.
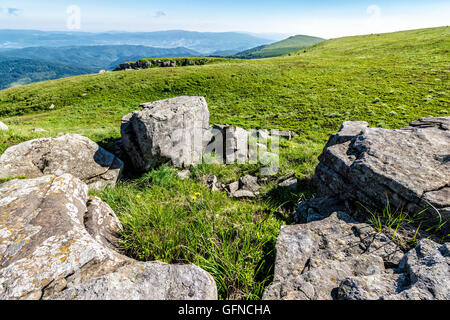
(56, 242)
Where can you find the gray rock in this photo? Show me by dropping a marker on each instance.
(211, 182)
(183, 174)
(410, 166)
(314, 258)
(57, 243)
(290, 183)
(427, 269)
(38, 130)
(171, 130)
(317, 209)
(146, 281)
(246, 187)
(424, 274)
(229, 143)
(339, 258)
(3, 127)
(71, 153)
(286, 134)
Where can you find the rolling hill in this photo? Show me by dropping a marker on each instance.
(387, 80)
(279, 48)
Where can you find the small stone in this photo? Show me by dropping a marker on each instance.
(3, 127)
(184, 174)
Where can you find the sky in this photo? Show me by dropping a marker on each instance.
(328, 19)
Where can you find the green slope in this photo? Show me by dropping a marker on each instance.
(279, 48)
(387, 80)
(16, 71)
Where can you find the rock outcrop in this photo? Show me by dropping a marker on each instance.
(154, 63)
(339, 258)
(172, 130)
(71, 153)
(409, 166)
(58, 243)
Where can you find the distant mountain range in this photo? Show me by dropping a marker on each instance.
(96, 57)
(16, 72)
(16, 65)
(279, 48)
(29, 56)
(203, 42)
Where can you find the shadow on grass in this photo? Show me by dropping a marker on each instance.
(286, 199)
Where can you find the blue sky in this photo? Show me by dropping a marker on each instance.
(321, 18)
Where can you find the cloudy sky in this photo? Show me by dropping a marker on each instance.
(320, 18)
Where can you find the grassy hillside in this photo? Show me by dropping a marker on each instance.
(279, 48)
(387, 80)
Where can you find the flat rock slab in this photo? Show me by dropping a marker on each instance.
(56, 242)
(172, 130)
(410, 166)
(339, 258)
(70, 153)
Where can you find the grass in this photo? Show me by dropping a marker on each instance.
(280, 48)
(181, 221)
(407, 228)
(387, 80)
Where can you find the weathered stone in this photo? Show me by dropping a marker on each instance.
(71, 153)
(286, 134)
(290, 183)
(317, 209)
(424, 274)
(171, 130)
(314, 258)
(3, 127)
(409, 166)
(38, 130)
(246, 187)
(146, 280)
(211, 182)
(229, 143)
(102, 223)
(183, 174)
(56, 243)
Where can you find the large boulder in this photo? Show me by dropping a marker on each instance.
(172, 130)
(409, 166)
(71, 153)
(339, 258)
(56, 242)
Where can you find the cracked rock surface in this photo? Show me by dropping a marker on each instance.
(71, 153)
(338, 258)
(56, 242)
(410, 166)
